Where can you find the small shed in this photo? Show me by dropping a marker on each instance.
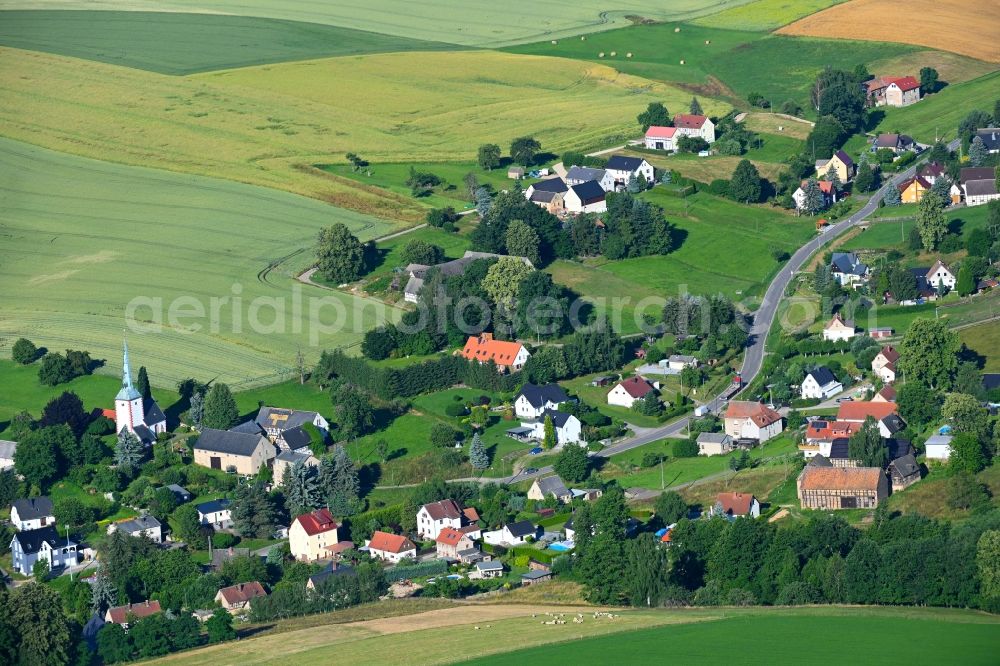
(515, 172)
(535, 576)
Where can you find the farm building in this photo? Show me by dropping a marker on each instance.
(236, 452)
(588, 197)
(893, 91)
(832, 488)
(508, 356)
(660, 138)
(621, 168)
(752, 420)
(688, 124)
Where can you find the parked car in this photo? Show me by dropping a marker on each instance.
(530, 470)
(535, 451)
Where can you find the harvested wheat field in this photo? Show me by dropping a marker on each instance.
(960, 26)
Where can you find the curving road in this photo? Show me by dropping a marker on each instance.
(763, 319)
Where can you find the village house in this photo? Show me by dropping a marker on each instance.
(532, 401)
(627, 391)
(820, 384)
(7, 450)
(884, 364)
(687, 124)
(838, 329)
(550, 486)
(990, 137)
(885, 394)
(903, 472)
(284, 426)
(832, 488)
(752, 420)
(848, 270)
(912, 189)
(841, 164)
(830, 194)
(234, 452)
(135, 414)
(415, 273)
(486, 569)
(856, 411)
(897, 143)
(43, 543)
(568, 429)
(735, 505)
(144, 525)
(215, 513)
(511, 534)
(31, 513)
(311, 534)
(938, 447)
(588, 197)
(436, 516)
(450, 542)
(237, 598)
(390, 547)
(660, 138)
(980, 192)
(331, 569)
(555, 184)
(285, 460)
(893, 91)
(578, 175)
(939, 275)
(552, 202)
(621, 168)
(714, 443)
(677, 362)
(508, 356)
(822, 434)
(122, 614)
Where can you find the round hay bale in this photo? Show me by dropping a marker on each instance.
(682, 62)
(583, 38)
(601, 54)
(677, 29)
(554, 41)
(708, 41)
(628, 55)
(614, 53)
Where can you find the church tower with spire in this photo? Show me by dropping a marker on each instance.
(129, 412)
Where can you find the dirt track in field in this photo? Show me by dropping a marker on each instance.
(466, 614)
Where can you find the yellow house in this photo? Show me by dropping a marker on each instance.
(912, 190)
(237, 452)
(841, 163)
(311, 534)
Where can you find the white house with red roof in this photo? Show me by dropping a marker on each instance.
(893, 90)
(735, 505)
(688, 124)
(508, 356)
(660, 138)
(450, 542)
(311, 533)
(390, 547)
(752, 420)
(884, 364)
(627, 391)
(436, 516)
(826, 189)
(839, 329)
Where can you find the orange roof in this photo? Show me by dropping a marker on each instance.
(317, 522)
(820, 429)
(471, 514)
(666, 536)
(484, 348)
(761, 414)
(825, 186)
(108, 414)
(839, 478)
(242, 593)
(859, 410)
(390, 543)
(119, 614)
(735, 504)
(449, 536)
(660, 132)
(340, 546)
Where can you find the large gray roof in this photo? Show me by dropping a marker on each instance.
(583, 174)
(283, 419)
(980, 188)
(539, 395)
(225, 441)
(139, 524)
(553, 485)
(33, 508)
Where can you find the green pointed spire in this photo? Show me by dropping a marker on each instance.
(128, 391)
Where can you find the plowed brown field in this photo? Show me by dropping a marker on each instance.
(969, 27)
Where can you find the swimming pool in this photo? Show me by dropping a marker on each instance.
(561, 546)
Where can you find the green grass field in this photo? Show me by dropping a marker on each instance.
(82, 239)
(176, 43)
(470, 22)
(764, 15)
(784, 637)
(985, 341)
(939, 114)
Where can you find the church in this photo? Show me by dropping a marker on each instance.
(135, 413)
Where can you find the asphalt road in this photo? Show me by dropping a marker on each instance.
(762, 322)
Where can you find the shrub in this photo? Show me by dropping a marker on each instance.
(224, 540)
(686, 448)
(24, 351)
(456, 409)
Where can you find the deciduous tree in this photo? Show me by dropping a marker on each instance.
(488, 156)
(24, 351)
(523, 150)
(655, 114)
(340, 256)
(931, 223)
(572, 463)
(866, 445)
(522, 241)
(928, 352)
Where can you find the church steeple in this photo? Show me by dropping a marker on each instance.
(128, 392)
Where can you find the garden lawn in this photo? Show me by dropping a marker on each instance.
(984, 339)
(597, 396)
(770, 123)
(955, 312)
(179, 43)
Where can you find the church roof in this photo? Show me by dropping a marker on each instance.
(127, 392)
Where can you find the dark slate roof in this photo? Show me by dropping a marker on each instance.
(539, 395)
(584, 174)
(898, 448)
(226, 441)
(213, 506)
(248, 427)
(152, 411)
(33, 508)
(623, 163)
(272, 416)
(543, 196)
(990, 137)
(551, 185)
(844, 157)
(819, 460)
(991, 380)
(905, 466)
(521, 528)
(139, 524)
(847, 263)
(980, 187)
(296, 438)
(145, 435)
(553, 485)
(822, 375)
(31, 540)
(838, 448)
(893, 423)
(342, 570)
(589, 192)
(559, 419)
(178, 490)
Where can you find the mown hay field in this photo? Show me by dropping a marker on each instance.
(265, 125)
(971, 29)
(82, 238)
(467, 22)
(764, 15)
(175, 43)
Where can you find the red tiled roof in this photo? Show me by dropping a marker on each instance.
(317, 522)
(839, 478)
(888, 393)
(825, 186)
(689, 121)
(735, 504)
(905, 83)
(471, 514)
(484, 348)
(449, 536)
(119, 614)
(820, 429)
(919, 180)
(242, 593)
(859, 410)
(108, 414)
(637, 387)
(390, 543)
(445, 509)
(660, 132)
(889, 353)
(761, 414)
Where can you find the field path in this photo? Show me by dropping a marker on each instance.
(465, 614)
